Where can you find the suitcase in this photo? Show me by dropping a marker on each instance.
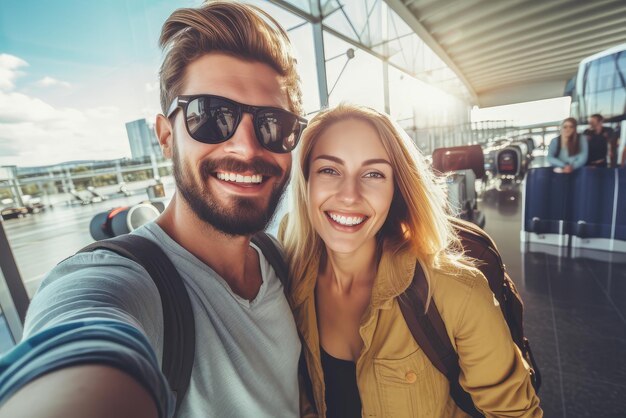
(509, 161)
(460, 158)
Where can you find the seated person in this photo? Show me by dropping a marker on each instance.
(568, 151)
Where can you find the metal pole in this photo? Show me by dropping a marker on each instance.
(13, 297)
(385, 33)
(320, 56)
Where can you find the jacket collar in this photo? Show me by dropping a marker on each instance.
(395, 273)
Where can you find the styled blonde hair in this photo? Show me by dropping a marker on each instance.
(417, 219)
(241, 30)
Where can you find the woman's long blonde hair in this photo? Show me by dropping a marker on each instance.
(417, 219)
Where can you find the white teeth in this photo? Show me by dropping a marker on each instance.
(349, 220)
(238, 178)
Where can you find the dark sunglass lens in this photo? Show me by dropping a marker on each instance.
(211, 120)
(278, 131)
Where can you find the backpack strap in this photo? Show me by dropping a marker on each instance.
(274, 255)
(429, 331)
(179, 339)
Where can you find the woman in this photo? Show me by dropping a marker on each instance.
(568, 151)
(366, 207)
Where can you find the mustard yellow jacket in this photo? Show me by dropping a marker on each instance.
(394, 376)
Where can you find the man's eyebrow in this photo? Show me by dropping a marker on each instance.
(340, 161)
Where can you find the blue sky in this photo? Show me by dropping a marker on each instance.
(73, 72)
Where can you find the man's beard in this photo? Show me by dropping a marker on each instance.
(245, 216)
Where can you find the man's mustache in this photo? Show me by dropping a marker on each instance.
(256, 165)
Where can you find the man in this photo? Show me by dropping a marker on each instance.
(601, 143)
(95, 328)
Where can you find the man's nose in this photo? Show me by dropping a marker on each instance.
(244, 141)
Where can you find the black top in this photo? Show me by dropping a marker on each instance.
(598, 147)
(342, 393)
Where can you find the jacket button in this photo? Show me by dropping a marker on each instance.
(410, 377)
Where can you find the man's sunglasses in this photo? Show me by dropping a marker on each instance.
(214, 119)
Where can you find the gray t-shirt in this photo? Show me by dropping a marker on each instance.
(246, 353)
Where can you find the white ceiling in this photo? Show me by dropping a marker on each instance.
(509, 51)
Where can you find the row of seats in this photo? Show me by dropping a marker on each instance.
(589, 204)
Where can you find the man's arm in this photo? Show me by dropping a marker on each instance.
(94, 328)
(88, 391)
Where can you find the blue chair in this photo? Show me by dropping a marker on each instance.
(620, 219)
(547, 207)
(593, 202)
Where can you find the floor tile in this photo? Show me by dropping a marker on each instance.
(593, 358)
(590, 398)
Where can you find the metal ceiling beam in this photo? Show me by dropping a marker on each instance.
(441, 10)
(474, 18)
(548, 24)
(546, 55)
(529, 76)
(575, 51)
(584, 32)
(508, 15)
(409, 18)
(539, 35)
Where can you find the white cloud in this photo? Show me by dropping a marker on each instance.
(9, 70)
(48, 81)
(32, 132)
(43, 126)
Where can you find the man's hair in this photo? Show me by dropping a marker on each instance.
(240, 30)
(598, 117)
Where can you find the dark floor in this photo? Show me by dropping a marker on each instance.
(575, 317)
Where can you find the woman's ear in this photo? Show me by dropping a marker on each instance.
(164, 130)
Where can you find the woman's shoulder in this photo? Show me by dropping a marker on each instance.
(457, 278)
(454, 287)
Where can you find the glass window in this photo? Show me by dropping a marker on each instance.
(621, 66)
(591, 77)
(604, 103)
(607, 73)
(359, 80)
(619, 102)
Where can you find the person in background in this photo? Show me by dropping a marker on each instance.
(598, 144)
(568, 151)
(602, 143)
(366, 209)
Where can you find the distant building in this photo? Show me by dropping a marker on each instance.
(142, 139)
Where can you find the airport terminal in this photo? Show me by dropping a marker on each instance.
(482, 88)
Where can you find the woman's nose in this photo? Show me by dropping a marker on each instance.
(349, 191)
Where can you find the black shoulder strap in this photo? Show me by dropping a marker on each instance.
(429, 331)
(179, 339)
(273, 255)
